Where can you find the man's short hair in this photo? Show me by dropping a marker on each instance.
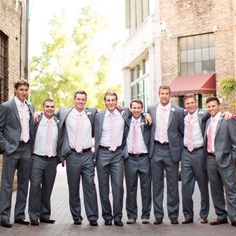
(190, 95)
(210, 99)
(110, 93)
(164, 87)
(20, 83)
(47, 100)
(139, 101)
(80, 92)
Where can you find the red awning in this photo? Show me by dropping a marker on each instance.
(197, 84)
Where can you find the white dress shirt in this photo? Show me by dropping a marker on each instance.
(214, 122)
(118, 127)
(72, 129)
(27, 114)
(140, 144)
(162, 131)
(40, 145)
(197, 137)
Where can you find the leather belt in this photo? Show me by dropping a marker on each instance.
(165, 143)
(44, 156)
(82, 151)
(138, 155)
(211, 154)
(109, 148)
(195, 149)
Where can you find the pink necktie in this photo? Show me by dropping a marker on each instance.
(49, 139)
(112, 133)
(162, 125)
(134, 137)
(209, 138)
(24, 124)
(78, 145)
(190, 137)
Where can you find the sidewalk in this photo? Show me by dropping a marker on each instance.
(64, 224)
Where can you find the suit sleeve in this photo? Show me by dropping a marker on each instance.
(2, 125)
(232, 134)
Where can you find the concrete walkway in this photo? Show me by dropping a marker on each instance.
(64, 223)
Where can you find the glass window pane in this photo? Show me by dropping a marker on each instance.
(190, 55)
(191, 69)
(197, 54)
(183, 69)
(212, 66)
(205, 66)
(198, 67)
(190, 43)
(183, 56)
(212, 53)
(205, 54)
(197, 41)
(205, 43)
(183, 43)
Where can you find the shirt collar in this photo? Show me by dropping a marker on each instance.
(115, 112)
(216, 117)
(167, 107)
(18, 102)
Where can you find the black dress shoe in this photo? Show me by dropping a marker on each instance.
(187, 221)
(48, 221)
(108, 222)
(78, 222)
(157, 221)
(6, 224)
(233, 223)
(219, 222)
(93, 222)
(22, 222)
(204, 221)
(118, 223)
(174, 221)
(34, 222)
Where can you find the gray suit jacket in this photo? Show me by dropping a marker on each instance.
(175, 131)
(10, 127)
(64, 146)
(99, 118)
(146, 132)
(225, 141)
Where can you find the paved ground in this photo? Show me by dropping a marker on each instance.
(64, 223)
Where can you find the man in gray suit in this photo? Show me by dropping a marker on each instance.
(16, 138)
(193, 161)
(109, 143)
(75, 142)
(137, 163)
(44, 165)
(165, 151)
(220, 144)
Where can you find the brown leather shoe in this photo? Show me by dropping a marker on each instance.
(48, 221)
(22, 222)
(233, 223)
(108, 222)
(118, 223)
(93, 222)
(174, 221)
(34, 222)
(219, 222)
(6, 224)
(157, 221)
(204, 221)
(187, 221)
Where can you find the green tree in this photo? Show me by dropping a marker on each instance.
(228, 86)
(71, 61)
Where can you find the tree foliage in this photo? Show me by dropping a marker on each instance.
(71, 61)
(228, 87)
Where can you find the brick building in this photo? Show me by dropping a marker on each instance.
(189, 45)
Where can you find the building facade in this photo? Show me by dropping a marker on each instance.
(13, 61)
(195, 46)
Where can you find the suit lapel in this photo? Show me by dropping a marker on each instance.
(15, 110)
(170, 116)
(218, 125)
(101, 121)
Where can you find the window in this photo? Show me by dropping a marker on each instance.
(196, 54)
(3, 67)
(139, 80)
(136, 12)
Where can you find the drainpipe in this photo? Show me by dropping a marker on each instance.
(26, 69)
